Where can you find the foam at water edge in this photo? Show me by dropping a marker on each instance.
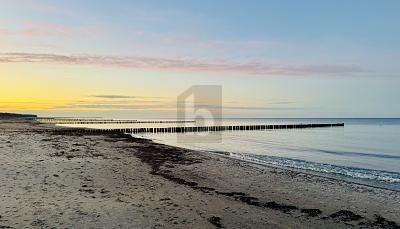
(357, 173)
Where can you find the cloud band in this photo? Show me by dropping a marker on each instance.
(185, 65)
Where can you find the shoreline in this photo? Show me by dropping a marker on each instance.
(207, 191)
(339, 177)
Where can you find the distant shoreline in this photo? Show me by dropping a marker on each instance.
(17, 116)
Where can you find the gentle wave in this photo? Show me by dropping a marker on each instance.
(356, 173)
(344, 153)
(340, 153)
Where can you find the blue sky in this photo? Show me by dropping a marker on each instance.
(288, 58)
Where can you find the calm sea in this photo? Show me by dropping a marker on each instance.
(364, 150)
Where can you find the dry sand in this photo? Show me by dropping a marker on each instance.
(55, 180)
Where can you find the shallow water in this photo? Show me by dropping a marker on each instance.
(364, 150)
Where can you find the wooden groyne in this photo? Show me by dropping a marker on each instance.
(203, 128)
(56, 120)
(108, 121)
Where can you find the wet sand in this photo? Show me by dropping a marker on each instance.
(51, 179)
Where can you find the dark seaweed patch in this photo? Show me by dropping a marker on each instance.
(311, 212)
(345, 215)
(216, 221)
(281, 207)
(384, 223)
(204, 189)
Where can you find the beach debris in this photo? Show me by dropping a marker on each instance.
(91, 191)
(4, 227)
(345, 215)
(281, 207)
(216, 221)
(38, 223)
(313, 212)
(103, 191)
(384, 223)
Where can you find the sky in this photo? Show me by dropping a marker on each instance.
(132, 59)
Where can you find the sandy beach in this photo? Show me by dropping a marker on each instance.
(53, 180)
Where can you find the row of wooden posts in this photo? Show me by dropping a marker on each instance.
(110, 121)
(203, 128)
(74, 120)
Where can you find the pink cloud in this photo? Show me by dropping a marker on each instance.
(44, 29)
(38, 29)
(185, 65)
(5, 31)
